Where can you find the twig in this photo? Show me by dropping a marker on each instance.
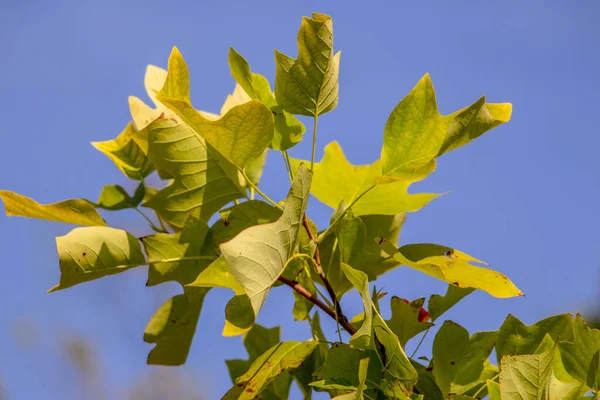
(317, 256)
(308, 296)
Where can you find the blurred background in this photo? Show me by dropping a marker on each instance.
(524, 197)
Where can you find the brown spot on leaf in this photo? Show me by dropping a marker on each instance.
(84, 254)
(452, 363)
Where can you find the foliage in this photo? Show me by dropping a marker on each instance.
(210, 231)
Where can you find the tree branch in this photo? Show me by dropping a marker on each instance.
(308, 296)
(317, 256)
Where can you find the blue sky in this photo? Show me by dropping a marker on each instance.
(524, 197)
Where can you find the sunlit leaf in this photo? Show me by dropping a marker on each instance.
(90, 253)
(458, 360)
(439, 304)
(74, 211)
(581, 358)
(336, 180)
(185, 246)
(288, 130)
(357, 394)
(172, 328)
(363, 336)
(309, 84)
(416, 133)
(258, 255)
(126, 154)
(516, 338)
(342, 364)
(239, 136)
(202, 179)
(264, 369)
(451, 266)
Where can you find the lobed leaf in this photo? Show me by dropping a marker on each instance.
(452, 266)
(240, 136)
(309, 84)
(439, 304)
(336, 180)
(74, 211)
(115, 197)
(288, 130)
(173, 326)
(127, 154)
(581, 357)
(405, 319)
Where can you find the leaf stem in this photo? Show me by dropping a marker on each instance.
(264, 196)
(420, 343)
(314, 143)
(288, 166)
(152, 225)
(317, 257)
(308, 296)
(484, 385)
(342, 214)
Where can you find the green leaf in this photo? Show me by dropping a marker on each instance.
(336, 180)
(493, 389)
(201, 178)
(288, 130)
(416, 133)
(126, 154)
(173, 326)
(531, 376)
(239, 317)
(516, 338)
(399, 374)
(185, 245)
(362, 377)
(240, 136)
(302, 306)
(439, 304)
(452, 266)
(240, 217)
(74, 211)
(405, 319)
(90, 253)
(426, 383)
(281, 357)
(115, 197)
(254, 169)
(362, 338)
(309, 84)
(342, 365)
(581, 358)
(258, 255)
(458, 360)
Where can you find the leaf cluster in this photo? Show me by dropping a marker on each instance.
(213, 228)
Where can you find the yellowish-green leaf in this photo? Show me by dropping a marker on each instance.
(581, 358)
(458, 360)
(309, 84)
(493, 389)
(173, 326)
(254, 168)
(90, 253)
(258, 255)
(126, 154)
(336, 180)
(288, 130)
(531, 377)
(73, 211)
(201, 178)
(405, 319)
(362, 339)
(239, 317)
(341, 367)
(302, 306)
(452, 266)
(281, 357)
(416, 133)
(185, 246)
(240, 136)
